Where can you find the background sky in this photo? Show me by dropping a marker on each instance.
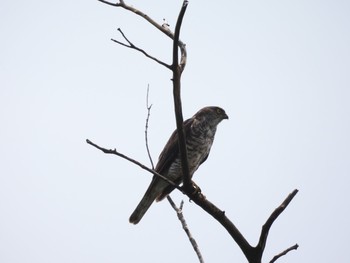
(280, 69)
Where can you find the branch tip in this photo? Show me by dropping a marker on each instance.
(295, 247)
(183, 222)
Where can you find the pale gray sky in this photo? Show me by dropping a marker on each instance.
(280, 69)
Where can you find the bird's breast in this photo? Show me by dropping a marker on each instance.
(198, 145)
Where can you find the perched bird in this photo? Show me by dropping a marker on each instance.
(199, 131)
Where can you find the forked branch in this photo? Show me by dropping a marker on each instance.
(266, 227)
(138, 12)
(253, 254)
(163, 29)
(181, 217)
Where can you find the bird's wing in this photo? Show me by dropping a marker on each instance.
(204, 159)
(171, 149)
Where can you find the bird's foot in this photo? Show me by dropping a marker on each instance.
(196, 188)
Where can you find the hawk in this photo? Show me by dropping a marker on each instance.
(199, 131)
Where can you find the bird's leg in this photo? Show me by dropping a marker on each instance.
(196, 188)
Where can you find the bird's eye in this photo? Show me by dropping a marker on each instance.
(218, 111)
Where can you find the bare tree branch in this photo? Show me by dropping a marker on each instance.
(295, 247)
(138, 12)
(177, 210)
(132, 46)
(146, 128)
(115, 152)
(266, 227)
(112, 4)
(221, 217)
(181, 217)
(177, 70)
(253, 254)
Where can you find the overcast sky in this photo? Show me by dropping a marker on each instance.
(280, 69)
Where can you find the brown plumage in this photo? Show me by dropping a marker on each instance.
(200, 131)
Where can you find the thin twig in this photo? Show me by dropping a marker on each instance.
(266, 227)
(115, 152)
(132, 46)
(177, 210)
(295, 247)
(146, 128)
(181, 217)
(112, 4)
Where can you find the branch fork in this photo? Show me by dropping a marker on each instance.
(253, 254)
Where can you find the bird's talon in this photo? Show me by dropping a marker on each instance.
(196, 188)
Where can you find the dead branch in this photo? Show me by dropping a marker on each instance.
(177, 210)
(146, 128)
(138, 12)
(177, 71)
(295, 247)
(163, 29)
(221, 217)
(132, 46)
(266, 227)
(181, 217)
(115, 152)
(253, 254)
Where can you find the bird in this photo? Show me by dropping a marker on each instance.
(199, 132)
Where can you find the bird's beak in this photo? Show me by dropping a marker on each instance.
(226, 116)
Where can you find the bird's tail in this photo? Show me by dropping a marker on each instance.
(154, 190)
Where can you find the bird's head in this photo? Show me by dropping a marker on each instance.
(211, 114)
